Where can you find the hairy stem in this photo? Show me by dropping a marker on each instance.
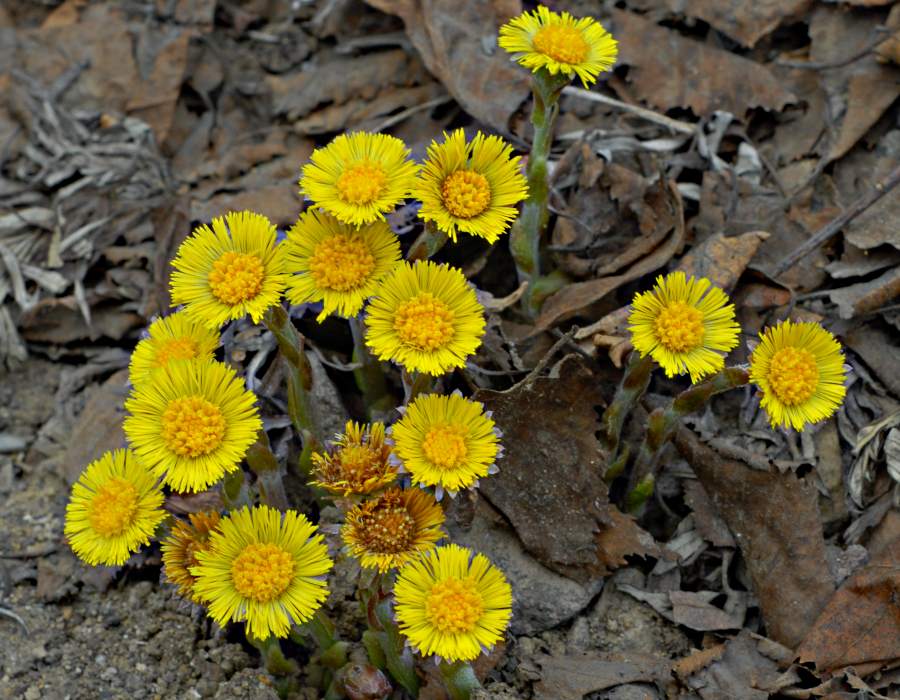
(632, 387)
(459, 679)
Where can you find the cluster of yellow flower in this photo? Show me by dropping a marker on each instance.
(685, 324)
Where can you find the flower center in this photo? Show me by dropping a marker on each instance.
(445, 445)
(192, 426)
(793, 375)
(175, 349)
(561, 43)
(362, 183)
(236, 277)
(359, 462)
(466, 193)
(679, 327)
(341, 263)
(425, 322)
(454, 606)
(113, 507)
(262, 572)
(387, 529)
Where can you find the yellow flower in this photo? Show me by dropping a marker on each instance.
(192, 423)
(684, 324)
(425, 317)
(265, 567)
(230, 270)
(393, 529)
(800, 370)
(357, 463)
(179, 550)
(471, 187)
(337, 264)
(359, 176)
(452, 604)
(114, 508)
(447, 442)
(173, 337)
(559, 43)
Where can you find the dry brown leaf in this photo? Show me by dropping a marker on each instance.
(746, 22)
(709, 524)
(453, 39)
(668, 208)
(878, 225)
(573, 677)
(154, 98)
(548, 435)
(863, 297)
(879, 350)
(682, 72)
(870, 94)
(861, 624)
(775, 520)
(280, 202)
(689, 665)
(741, 672)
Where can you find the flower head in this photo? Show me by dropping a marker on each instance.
(265, 567)
(559, 43)
(230, 270)
(115, 507)
(425, 317)
(192, 423)
(173, 337)
(800, 370)
(179, 550)
(447, 442)
(472, 187)
(452, 603)
(684, 324)
(394, 528)
(337, 264)
(357, 463)
(359, 176)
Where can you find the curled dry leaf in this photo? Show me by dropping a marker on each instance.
(745, 22)
(573, 677)
(550, 486)
(743, 670)
(863, 297)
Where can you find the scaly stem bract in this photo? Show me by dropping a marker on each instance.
(459, 679)
(632, 387)
(525, 235)
(663, 423)
(429, 242)
(264, 464)
(282, 669)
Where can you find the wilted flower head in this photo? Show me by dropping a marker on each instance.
(179, 550)
(357, 463)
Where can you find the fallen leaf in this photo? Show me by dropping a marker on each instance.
(861, 624)
(698, 660)
(153, 99)
(879, 350)
(709, 524)
(280, 202)
(856, 262)
(775, 520)
(870, 94)
(742, 672)
(666, 203)
(457, 42)
(692, 609)
(878, 225)
(573, 677)
(863, 297)
(682, 72)
(745, 22)
(548, 435)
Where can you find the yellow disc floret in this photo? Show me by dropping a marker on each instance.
(262, 572)
(424, 322)
(113, 507)
(466, 193)
(175, 349)
(680, 327)
(561, 42)
(341, 263)
(454, 606)
(236, 277)
(445, 445)
(388, 528)
(362, 183)
(793, 375)
(192, 426)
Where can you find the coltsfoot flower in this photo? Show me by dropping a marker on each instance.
(173, 337)
(192, 423)
(229, 270)
(357, 463)
(337, 264)
(179, 550)
(452, 604)
(684, 324)
(559, 43)
(425, 317)
(359, 177)
(447, 442)
(114, 508)
(263, 567)
(472, 187)
(393, 528)
(799, 369)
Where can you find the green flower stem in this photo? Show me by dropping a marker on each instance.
(663, 423)
(300, 406)
(398, 657)
(429, 242)
(415, 384)
(369, 375)
(459, 679)
(235, 494)
(525, 235)
(632, 387)
(268, 473)
(282, 669)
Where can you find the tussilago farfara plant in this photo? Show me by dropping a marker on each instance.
(193, 425)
